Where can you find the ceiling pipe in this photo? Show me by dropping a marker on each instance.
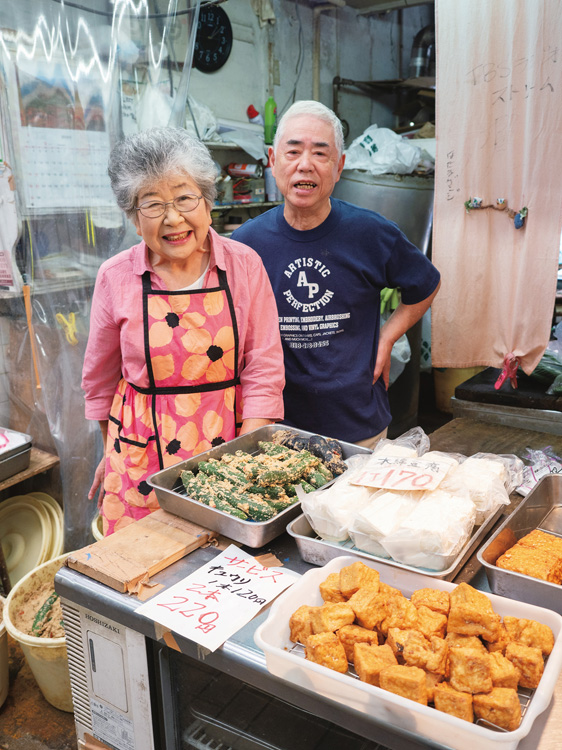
(331, 5)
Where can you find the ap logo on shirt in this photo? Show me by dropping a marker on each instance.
(308, 291)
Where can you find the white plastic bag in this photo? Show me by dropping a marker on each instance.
(382, 151)
(410, 444)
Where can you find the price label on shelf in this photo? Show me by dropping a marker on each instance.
(401, 474)
(211, 604)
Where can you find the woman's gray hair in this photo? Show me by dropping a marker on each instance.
(143, 159)
(316, 109)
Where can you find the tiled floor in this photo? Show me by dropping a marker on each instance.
(29, 722)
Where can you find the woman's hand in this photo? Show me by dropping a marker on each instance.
(252, 424)
(99, 476)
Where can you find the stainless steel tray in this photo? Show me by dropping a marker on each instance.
(14, 463)
(172, 497)
(541, 509)
(318, 551)
(17, 443)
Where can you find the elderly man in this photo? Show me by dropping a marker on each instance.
(328, 261)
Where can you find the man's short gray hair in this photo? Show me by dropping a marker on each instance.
(316, 109)
(139, 161)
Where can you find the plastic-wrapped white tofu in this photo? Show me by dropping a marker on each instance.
(433, 534)
(393, 449)
(380, 517)
(331, 510)
(449, 459)
(484, 480)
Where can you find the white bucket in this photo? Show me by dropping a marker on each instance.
(97, 528)
(46, 657)
(4, 675)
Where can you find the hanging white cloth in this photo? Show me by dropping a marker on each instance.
(499, 109)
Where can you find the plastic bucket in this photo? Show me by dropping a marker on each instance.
(97, 528)
(46, 657)
(446, 379)
(4, 676)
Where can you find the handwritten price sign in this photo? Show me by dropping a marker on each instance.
(401, 474)
(218, 599)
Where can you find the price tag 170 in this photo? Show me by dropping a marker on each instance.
(401, 474)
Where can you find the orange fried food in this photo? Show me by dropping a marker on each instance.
(504, 672)
(528, 661)
(502, 641)
(500, 707)
(538, 539)
(330, 589)
(530, 561)
(431, 623)
(431, 682)
(455, 640)
(326, 649)
(471, 613)
(406, 681)
(529, 633)
(356, 576)
(300, 624)
(370, 607)
(438, 601)
(401, 613)
(469, 670)
(349, 635)
(453, 702)
(369, 661)
(331, 616)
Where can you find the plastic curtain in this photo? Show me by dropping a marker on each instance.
(74, 77)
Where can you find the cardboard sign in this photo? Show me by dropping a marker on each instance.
(401, 474)
(211, 604)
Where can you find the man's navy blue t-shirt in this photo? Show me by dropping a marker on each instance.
(327, 284)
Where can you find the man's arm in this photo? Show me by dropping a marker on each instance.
(401, 320)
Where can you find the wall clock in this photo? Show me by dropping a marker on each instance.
(213, 41)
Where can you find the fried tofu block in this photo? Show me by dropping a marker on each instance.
(538, 539)
(370, 608)
(438, 601)
(455, 640)
(453, 702)
(471, 613)
(300, 624)
(528, 661)
(369, 661)
(331, 616)
(431, 623)
(356, 576)
(529, 633)
(406, 681)
(501, 643)
(397, 638)
(326, 649)
(469, 670)
(504, 672)
(500, 707)
(529, 561)
(330, 589)
(438, 656)
(431, 682)
(349, 635)
(384, 588)
(401, 613)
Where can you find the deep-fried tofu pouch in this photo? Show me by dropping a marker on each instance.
(528, 661)
(500, 707)
(471, 613)
(326, 649)
(300, 624)
(542, 540)
(370, 607)
(455, 640)
(431, 623)
(401, 613)
(504, 672)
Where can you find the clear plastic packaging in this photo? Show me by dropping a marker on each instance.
(412, 443)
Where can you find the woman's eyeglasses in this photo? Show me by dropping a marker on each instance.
(184, 204)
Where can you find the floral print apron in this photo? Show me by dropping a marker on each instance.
(191, 346)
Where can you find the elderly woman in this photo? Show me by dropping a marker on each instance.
(184, 350)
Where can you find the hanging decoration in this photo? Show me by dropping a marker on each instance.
(518, 217)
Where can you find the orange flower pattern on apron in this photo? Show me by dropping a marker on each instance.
(191, 348)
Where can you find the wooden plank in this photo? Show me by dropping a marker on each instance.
(39, 462)
(126, 559)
